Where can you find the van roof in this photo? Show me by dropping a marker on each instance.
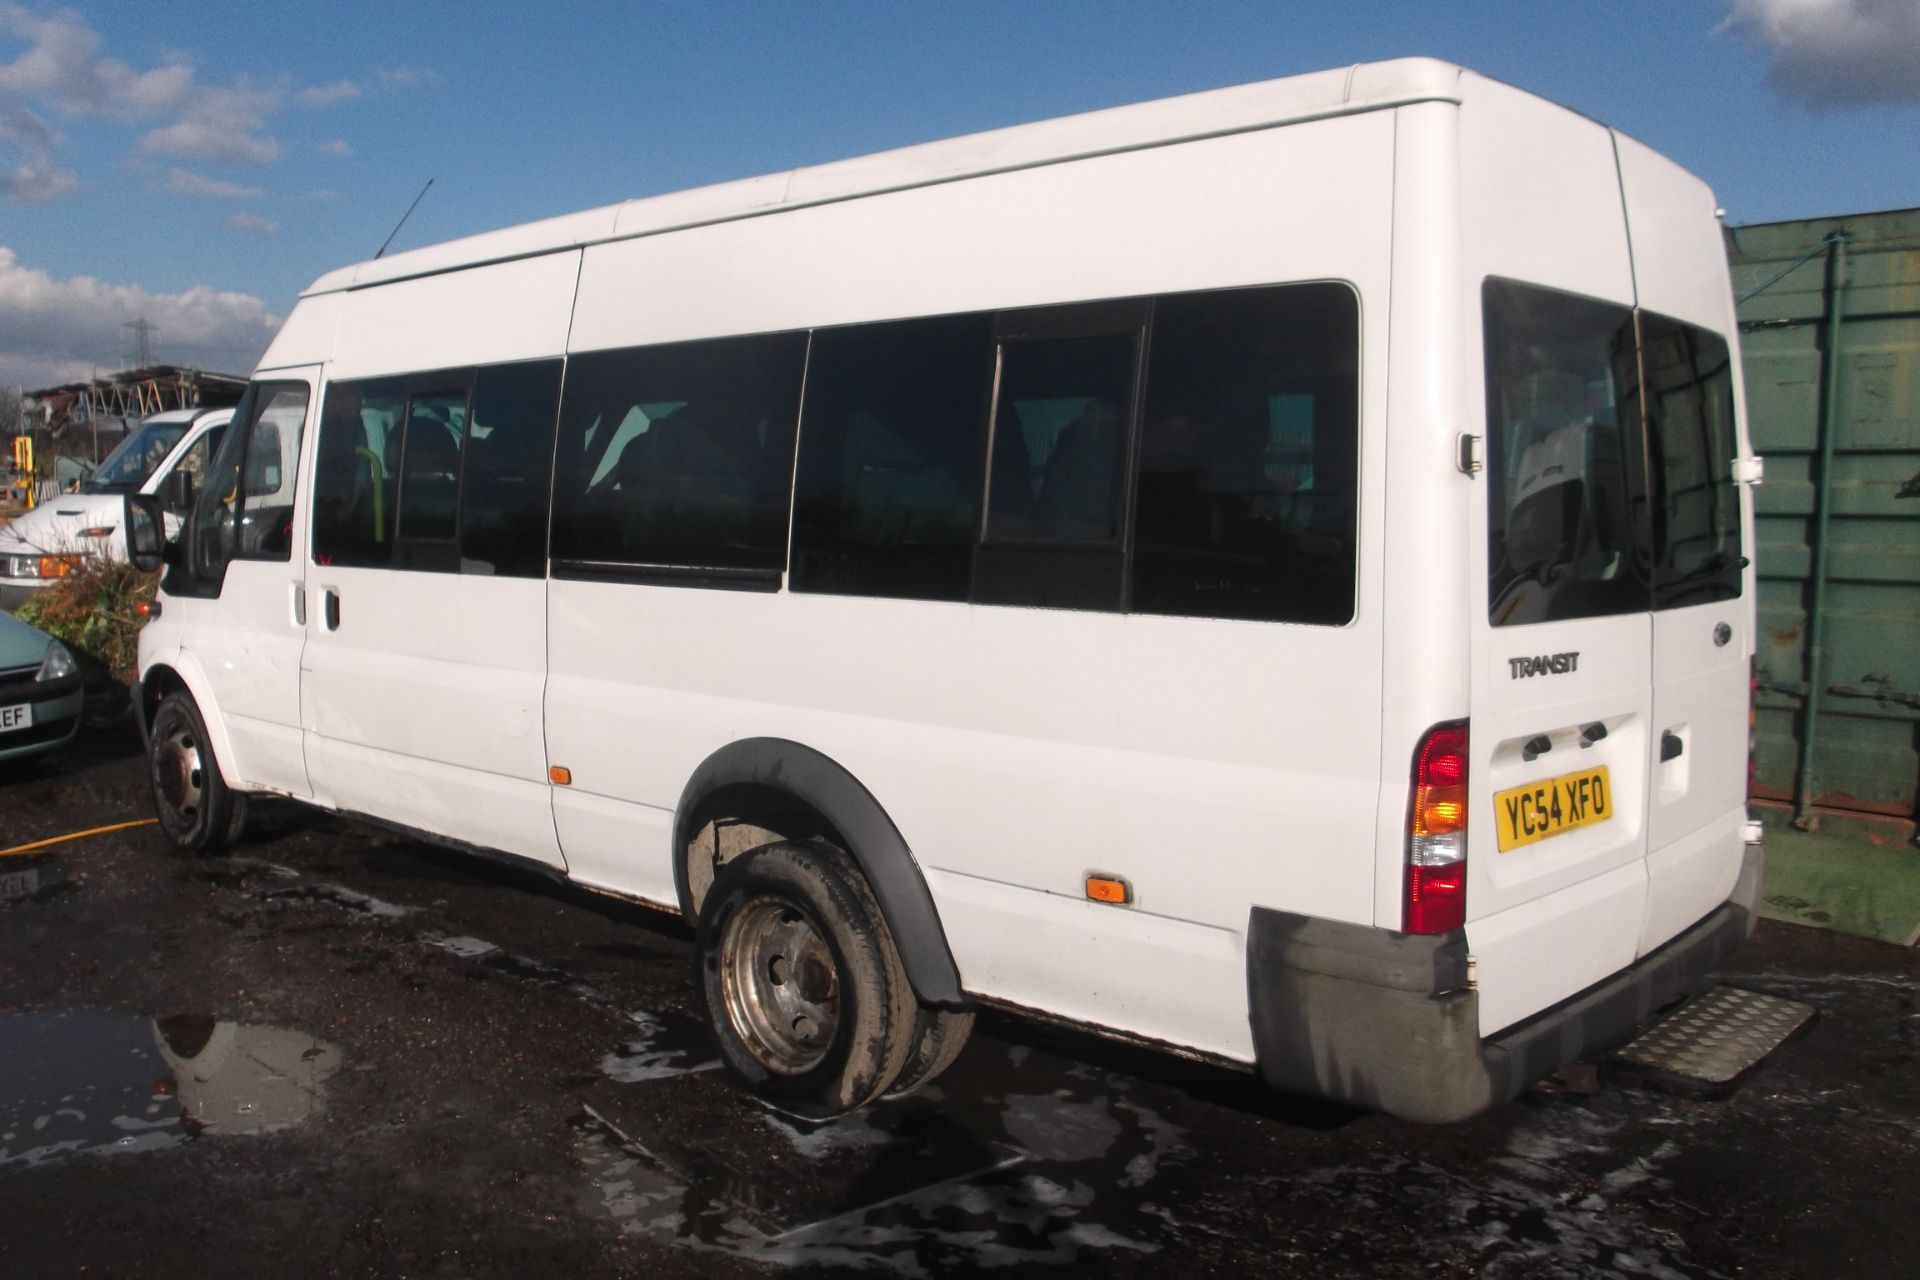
(1363, 87)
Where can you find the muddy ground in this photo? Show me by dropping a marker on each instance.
(339, 1053)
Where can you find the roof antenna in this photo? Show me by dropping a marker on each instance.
(403, 218)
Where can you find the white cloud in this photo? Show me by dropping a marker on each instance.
(1835, 53)
(58, 67)
(36, 179)
(183, 182)
(54, 330)
(327, 95)
(336, 147)
(210, 140)
(253, 222)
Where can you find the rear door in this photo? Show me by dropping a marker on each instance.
(1701, 595)
(1562, 697)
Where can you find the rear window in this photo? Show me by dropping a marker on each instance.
(1562, 385)
(1691, 445)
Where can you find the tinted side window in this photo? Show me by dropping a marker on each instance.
(1247, 489)
(428, 514)
(356, 474)
(1062, 434)
(1562, 415)
(1691, 446)
(503, 499)
(891, 440)
(1060, 438)
(680, 457)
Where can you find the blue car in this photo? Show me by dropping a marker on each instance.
(39, 690)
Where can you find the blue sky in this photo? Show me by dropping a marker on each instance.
(200, 165)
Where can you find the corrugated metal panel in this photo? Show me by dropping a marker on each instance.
(1865, 682)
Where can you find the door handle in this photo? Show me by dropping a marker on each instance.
(299, 604)
(330, 600)
(1670, 746)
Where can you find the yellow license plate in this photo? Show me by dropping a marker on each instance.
(1552, 807)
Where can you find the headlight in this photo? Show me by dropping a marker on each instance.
(23, 566)
(58, 664)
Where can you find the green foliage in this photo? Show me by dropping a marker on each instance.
(92, 609)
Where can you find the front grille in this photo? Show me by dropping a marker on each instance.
(18, 684)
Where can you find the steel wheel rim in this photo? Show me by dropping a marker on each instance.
(781, 985)
(179, 772)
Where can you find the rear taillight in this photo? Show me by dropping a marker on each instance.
(1436, 897)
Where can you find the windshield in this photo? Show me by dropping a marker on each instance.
(129, 466)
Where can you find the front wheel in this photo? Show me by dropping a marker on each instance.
(803, 985)
(198, 811)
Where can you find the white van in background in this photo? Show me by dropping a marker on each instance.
(1261, 574)
(41, 545)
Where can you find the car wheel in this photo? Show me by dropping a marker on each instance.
(938, 1038)
(803, 984)
(196, 807)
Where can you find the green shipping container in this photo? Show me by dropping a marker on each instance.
(1830, 336)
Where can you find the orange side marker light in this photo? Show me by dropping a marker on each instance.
(560, 776)
(1109, 889)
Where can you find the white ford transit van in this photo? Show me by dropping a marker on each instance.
(43, 545)
(1261, 574)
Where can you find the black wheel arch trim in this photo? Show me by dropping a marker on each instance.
(872, 840)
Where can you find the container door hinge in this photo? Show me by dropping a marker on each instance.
(1749, 470)
(1470, 453)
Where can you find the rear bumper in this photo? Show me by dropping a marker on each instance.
(1386, 1020)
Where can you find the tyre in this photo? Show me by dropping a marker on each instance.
(938, 1037)
(803, 985)
(198, 811)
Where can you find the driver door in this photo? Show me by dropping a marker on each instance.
(248, 645)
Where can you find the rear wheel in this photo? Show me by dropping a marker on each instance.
(939, 1036)
(198, 811)
(802, 981)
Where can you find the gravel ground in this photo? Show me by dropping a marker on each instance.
(339, 1053)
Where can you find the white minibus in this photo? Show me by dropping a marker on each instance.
(1261, 574)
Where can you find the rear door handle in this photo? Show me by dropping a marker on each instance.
(1670, 746)
(330, 600)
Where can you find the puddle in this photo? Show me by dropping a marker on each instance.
(39, 880)
(663, 1047)
(993, 1178)
(81, 1083)
(1557, 1203)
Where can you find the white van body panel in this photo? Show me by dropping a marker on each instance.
(439, 322)
(1185, 754)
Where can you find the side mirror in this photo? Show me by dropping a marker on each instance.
(145, 524)
(176, 491)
